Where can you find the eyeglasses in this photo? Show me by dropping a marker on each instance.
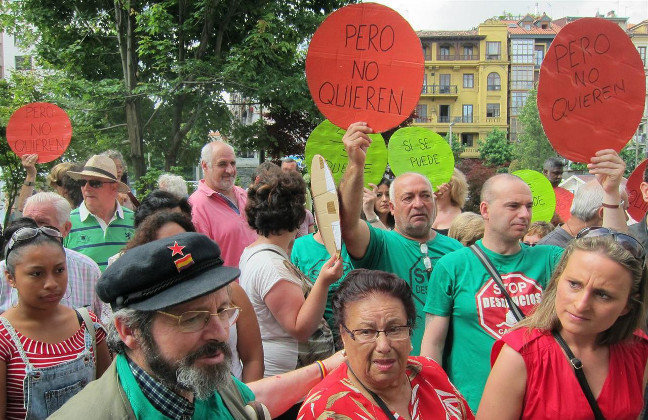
(369, 335)
(93, 183)
(629, 243)
(192, 321)
(27, 233)
(426, 259)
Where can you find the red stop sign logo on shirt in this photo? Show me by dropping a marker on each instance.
(492, 308)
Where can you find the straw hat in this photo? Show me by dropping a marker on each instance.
(99, 166)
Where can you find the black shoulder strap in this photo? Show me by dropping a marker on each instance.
(375, 396)
(580, 375)
(488, 265)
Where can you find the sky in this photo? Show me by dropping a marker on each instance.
(467, 14)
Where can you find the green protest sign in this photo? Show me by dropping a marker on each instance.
(326, 140)
(418, 149)
(544, 198)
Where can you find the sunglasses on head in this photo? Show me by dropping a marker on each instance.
(629, 243)
(27, 233)
(94, 183)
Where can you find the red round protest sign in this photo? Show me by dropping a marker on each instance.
(40, 128)
(592, 89)
(636, 205)
(365, 63)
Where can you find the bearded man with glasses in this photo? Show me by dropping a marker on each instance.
(100, 226)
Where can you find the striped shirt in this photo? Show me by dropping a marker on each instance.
(40, 355)
(91, 236)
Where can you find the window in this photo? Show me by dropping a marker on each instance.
(444, 51)
(517, 102)
(421, 114)
(467, 139)
(444, 83)
(245, 154)
(467, 116)
(521, 77)
(492, 110)
(426, 52)
(469, 80)
(467, 52)
(425, 86)
(493, 82)
(23, 62)
(642, 54)
(539, 55)
(444, 113)
(493, 50)
(522, 51)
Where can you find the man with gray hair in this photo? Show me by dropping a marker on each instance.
(412, 249)
(51, 209)
(218, 206)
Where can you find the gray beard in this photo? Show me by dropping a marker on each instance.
(185, 375)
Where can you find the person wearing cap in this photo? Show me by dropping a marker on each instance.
(172, 313)
(100, 226)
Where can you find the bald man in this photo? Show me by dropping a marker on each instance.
(218, 206)
(412, 249)
(465, 310)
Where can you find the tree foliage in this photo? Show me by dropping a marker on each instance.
(533, 147)
(495, 150)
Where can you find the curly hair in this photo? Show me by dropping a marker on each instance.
(58, 177)
(276, 203)
(148, 230)
(160, 200)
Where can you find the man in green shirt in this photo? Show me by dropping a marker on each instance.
(412, 249)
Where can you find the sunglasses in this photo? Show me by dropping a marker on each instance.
(27, 233)
(94, 183)
(629, 243)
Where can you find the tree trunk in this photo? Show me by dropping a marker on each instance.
(125, 25)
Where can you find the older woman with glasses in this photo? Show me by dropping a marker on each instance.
(375, 312)
(581, 354)
(48, 352)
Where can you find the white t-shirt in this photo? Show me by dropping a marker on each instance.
(261, 269)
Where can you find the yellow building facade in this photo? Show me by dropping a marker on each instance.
(466, 83)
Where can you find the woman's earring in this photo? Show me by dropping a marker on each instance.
(344, 352)
(11, 297)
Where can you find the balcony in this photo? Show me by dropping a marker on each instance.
(457, 57)
(439, 90)
(465, 119)
(493, 56)
(444, 119)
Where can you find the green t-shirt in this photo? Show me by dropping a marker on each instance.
(211, 408)
(390, 251)
(462, 289)
(309, 256)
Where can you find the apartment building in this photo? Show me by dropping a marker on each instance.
(639, 36)
(465, 84)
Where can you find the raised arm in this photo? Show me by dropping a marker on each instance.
(355, 232)
(29, 163)
(608, 168)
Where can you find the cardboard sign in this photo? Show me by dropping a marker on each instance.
(326, 204)
(544, 199)
(40, 128)
(418, 149)
(365, 63)
(637, 207)
(592, 89)
(564, 200)
(326, 140)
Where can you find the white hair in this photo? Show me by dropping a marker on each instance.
(392, 186)
(61, 205)
(174, 184)
(588, 199)
(208, 150)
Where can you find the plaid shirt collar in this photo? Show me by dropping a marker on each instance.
(161, 397)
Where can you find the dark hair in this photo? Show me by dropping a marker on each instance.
(276, 203)
(160, 200)
(391, 222)
(360, 283)
(148, 230)
(263, 170)
(58, 176)
(14, 256)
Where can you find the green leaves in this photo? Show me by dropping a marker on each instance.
(496, 150)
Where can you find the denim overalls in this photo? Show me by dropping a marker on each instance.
(45, 390)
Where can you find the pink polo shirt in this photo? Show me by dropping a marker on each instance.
(217, 217)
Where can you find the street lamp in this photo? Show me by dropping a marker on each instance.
(450, 133)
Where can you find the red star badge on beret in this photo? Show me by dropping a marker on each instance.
(177, 249)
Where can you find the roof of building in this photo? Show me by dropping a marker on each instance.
(471, 34)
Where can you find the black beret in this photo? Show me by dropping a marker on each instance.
(165, 273)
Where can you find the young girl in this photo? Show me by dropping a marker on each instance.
(47, 353)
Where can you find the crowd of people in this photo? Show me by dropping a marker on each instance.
(226, 304)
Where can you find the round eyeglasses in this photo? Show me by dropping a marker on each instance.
(192, 321)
